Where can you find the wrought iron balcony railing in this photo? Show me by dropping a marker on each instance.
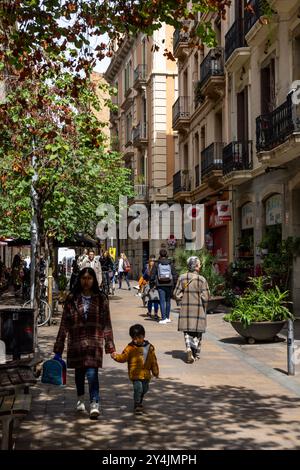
(181, 108)
(235, 37)
(181, 181)
(212, 158)
(139, 132)
(212, 65)
(237, 156)
(273, 128)
(139, 73)
(179, 37)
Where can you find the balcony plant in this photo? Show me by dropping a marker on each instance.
(259, 314)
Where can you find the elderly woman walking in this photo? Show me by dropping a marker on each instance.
(193, 292)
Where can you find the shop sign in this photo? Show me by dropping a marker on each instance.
(274, 210)
(224, 211)
(247, 216)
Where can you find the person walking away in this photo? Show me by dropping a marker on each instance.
(165, 277)
(75, 272)
(92, 262)
(87, 324)
(152, 297)
(142, 362)
(107, 266)
(193, 291)
(124, 270)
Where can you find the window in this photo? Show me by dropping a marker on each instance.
(267, 81)
(127, 77)
(128, 128)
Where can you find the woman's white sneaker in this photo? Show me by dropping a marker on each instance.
(94, 410)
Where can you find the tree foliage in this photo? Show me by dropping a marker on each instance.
(48, 49)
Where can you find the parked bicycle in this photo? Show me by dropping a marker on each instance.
(44, 311)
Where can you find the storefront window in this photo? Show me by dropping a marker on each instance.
(247, 231)
(273, 233)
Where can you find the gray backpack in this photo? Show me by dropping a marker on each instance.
(164, 272)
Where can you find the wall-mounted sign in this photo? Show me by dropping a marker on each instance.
(247, 216)
(224, 210)
(274, 210)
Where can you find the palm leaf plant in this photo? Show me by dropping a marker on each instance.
(260, 305)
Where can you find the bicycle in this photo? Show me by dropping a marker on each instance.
(45, 311)
(44, 314)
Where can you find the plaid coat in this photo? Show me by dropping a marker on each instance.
(85, 337)
(194, 297)
(141, 361)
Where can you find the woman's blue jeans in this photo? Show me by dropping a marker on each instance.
(93, 380)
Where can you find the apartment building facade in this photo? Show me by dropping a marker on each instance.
(239, 134)
(141, 128)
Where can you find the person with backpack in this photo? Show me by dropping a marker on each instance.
(165, 277)
(193, 291)
(124, 270)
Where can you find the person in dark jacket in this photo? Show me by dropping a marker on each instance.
(86, 321)
(165, 277)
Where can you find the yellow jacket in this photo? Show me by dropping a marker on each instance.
(141, 361)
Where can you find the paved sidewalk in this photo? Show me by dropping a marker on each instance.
(233, 398)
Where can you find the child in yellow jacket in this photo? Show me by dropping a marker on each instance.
(141, 359)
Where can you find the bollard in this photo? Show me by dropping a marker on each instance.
(290, 348)
(50, 289)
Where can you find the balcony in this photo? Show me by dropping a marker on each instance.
(180, 44)
(212, 81)
(257, 25)
(140, 135)
(278, 133)
(141, 192)
(236, 52)
(237, 161)
(181, 185)
(212, 163)
(181, 113)
(199, 97)
(139, 76)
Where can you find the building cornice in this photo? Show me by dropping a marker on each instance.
(117, 61)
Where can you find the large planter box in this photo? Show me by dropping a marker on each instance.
(259, 331)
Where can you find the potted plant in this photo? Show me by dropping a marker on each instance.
(259, 314)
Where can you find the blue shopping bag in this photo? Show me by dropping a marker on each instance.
(54, 372)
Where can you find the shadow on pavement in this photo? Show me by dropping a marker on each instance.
(243, 341)
(177, 354)
(178, 416)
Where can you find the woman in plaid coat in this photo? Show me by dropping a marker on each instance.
(192, 289)
(86, 322)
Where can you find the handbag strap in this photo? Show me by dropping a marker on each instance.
(188, 283)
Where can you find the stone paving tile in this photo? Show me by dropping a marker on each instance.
(221, 401)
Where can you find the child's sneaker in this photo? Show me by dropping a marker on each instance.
(80, 406)
(94, 410)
